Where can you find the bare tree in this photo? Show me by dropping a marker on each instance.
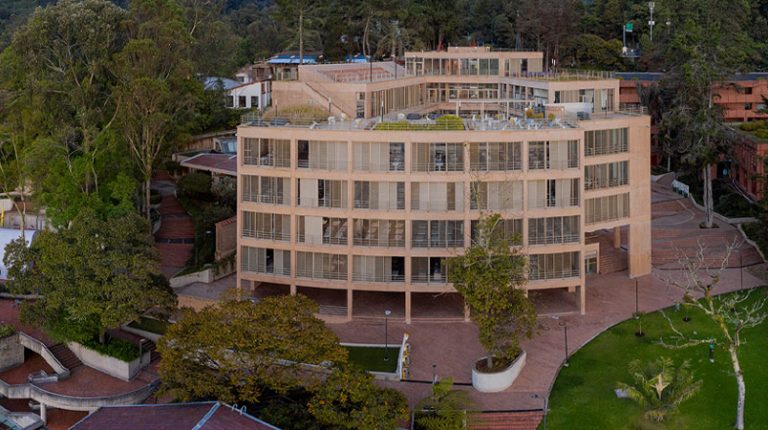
(731, 313)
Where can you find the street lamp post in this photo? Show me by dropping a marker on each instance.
(434, 373)
(637, 301)
(386, 337)
(651, 22)
(565, 341)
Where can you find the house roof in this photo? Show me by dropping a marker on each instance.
(225, 164)
(172, 416)
(7, 235)
(215, 82)
(292, 58)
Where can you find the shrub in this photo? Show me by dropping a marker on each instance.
(762, 133)
(116, 348)
(195, 186)
(173, 167)
(6, 330)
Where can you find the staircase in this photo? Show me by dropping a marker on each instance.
(528, 420)
(65, 356)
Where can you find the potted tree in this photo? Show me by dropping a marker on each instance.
(490, 276)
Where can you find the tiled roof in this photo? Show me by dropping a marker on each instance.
(172, 416)
(218, 163)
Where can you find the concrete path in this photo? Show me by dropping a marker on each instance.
(453, 346)
(176, 236)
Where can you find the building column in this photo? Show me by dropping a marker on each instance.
(407, 307)
(293, 289)
(466, 312)
(583, 299)
(43, 413)
(350, 294)
(617, 237)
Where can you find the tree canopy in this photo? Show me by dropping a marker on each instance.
(93, 276)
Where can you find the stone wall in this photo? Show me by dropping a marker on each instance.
(11, 352)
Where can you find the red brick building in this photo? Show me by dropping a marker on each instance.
(742, 101)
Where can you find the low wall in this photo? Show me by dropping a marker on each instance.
(39, 347)
(154, 337)
(204, 276)
(11, 351)
(120, 369)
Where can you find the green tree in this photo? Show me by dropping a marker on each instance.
(93, 276)
(706, 47)
(265, 346)
(155, 86)
(659, 387)
(303, 17)
(348, 399)
(490, 276)
(445, 409)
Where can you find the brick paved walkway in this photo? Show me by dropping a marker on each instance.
(453, 346)
(176, 236)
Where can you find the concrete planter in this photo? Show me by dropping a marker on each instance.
(120, 369)
(498, 381)
(11, 351)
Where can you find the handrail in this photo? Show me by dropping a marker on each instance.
(45, 352)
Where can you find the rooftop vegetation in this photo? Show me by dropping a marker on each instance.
(445, 122)
(6, 330)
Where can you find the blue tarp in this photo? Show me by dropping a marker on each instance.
(292, 59)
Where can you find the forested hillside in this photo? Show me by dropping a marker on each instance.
(572, 33)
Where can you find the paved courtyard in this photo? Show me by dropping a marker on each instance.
(453, 346)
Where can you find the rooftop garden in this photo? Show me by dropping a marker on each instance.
(445, 122)
(151, 325)
(758, 129)
(583, 395)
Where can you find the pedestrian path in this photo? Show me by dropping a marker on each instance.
(176, 236)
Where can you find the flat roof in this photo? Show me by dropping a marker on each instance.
(225, 164)
(172, 416)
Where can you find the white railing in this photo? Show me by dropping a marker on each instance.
(375, 205)
(427, 278)
(596, 184)
(553, 164)
(269, 235)
(317, 239)
(437, 243)
(270, 199)
(549, 275)
(551, 240)
(322, 164)
(268, 160)
(371, 166)
(312, 274)
(368, 277)
(310, 202)
(553, 203)
(395, 243)
(266, 269)
(501, 166)
(606, 149)
(438, 166)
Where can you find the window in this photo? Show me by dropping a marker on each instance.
(241, 102)
(747, 106)
(428, 270)
(379, 195)
(608, 208)
(322, 193)
(266, 189)
(510, 229)
(265, 260)
(266, 152)
(254, 102)
(438, 157)
(552, 230)
(266, 226)
(550, 193)
(437, 234)
(378, 269)
(437, 196)
(379, 157)
(554, 266)
(325, 230)
(606, 175)
(317, 265)
(495, 156)
(374, 232)
(748, 90)
(507, 195)
(553, 155)
(321, 155)
(602, 142)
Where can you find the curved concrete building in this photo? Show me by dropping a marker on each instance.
(369, 208)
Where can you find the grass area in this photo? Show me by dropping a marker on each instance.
(151, 325)
(371, 358)
(583, 396)
(759, 234)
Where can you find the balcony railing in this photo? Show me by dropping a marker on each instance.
(370, 277)
(310, 202)
(551, 240)
(496, 166)
(553, 203)
(391, 243)
(316, 239)
(596, 184)
(269, 199)
(392, 166)
(323, 165)
(605, 149)
(267, 269)
(437, 243)
(269, 235)
(553, 164)
(268, 160)
(438, 166)
(391, 205)
(308, 273)
(561, 274)
(426, 278)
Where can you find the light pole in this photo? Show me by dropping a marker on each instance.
(565, 341)
(544, 418)
(741, 270)
(651, 22)
(386, 338)
(637, 301)
(434, 373)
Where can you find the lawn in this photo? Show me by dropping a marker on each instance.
(150, 324)
(371, 358)
(583, 396)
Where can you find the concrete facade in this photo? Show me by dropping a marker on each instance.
(11, 351)
(357, 206)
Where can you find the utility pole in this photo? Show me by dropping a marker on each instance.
(651, 22)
